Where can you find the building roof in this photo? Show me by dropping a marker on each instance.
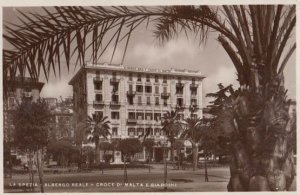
(122, 68)
(24, 82)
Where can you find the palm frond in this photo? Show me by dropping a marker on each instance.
(254, 36)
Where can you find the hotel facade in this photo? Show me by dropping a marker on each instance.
(135, 99)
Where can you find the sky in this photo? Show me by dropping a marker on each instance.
(145, 51)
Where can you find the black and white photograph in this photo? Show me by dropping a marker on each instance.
(166, 98)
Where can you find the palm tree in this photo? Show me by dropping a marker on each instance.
(192, 133)
(256, 38)
(171, 127)
(98, 126)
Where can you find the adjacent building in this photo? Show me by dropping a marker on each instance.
(135, 99)
(19, 89)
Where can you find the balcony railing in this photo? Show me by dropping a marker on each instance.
(98, 79)
(130, 93)
(194, 107)
(131, 121)
(179, 92)
(115, 104)
(99, 103)
(180, 85)
(194, 86)
(114, 80)
(180, 106)
(165, 95)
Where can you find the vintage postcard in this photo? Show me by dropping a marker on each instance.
(192, 96)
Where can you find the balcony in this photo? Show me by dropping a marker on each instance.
(179, 92)
(180, 85)
(193, 95)
(194, 107)
(131, 121)
(97, 79)
(165, 95)
(115, 104)
(98, 103)
(115, 91)
(179, 106)
(130, 93)
(194, 86)
(114, 80)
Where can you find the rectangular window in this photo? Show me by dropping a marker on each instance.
(149, 116)
(179, 89)
(139, 88)
(180, 101)
(115, 115)
(165, 102)
(140, 131)
(193, 80)
(148, 89)
(115, 131)
(98, 97)
(97, 73)
(130, 76)
(157, 89)
(157, 116)
(115, 98)
(140, 115)
(148, 100)
(97, 85)
(139, 78)
(156, 78)
(194, 91)
(139, 100)
(114, 74)
(115, 87)
(157, 101)
(150, 130)
(193, 102)
(147, 78)
(164, 79)
(131, 131)
(131, 115)
(130, 100)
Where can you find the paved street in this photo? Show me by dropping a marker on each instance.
(139, 180)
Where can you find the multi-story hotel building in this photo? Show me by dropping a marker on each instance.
(135, 99)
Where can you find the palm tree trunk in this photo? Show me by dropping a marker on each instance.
(172, 153)
(149, 168)
(205, 167)
(39, 159)
(97, 153)
(195, 156)
(125, 170)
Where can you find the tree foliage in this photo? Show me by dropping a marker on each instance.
(259, 34)
(130, 146)
(31, 121)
